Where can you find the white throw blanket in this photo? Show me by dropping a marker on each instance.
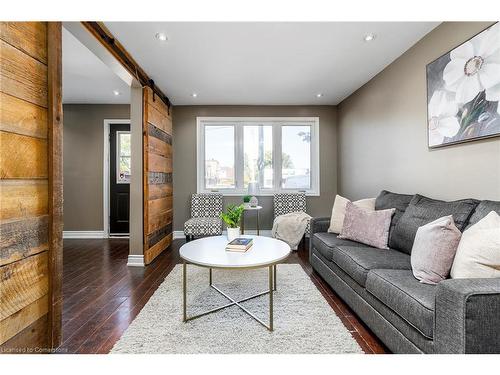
(290, 228)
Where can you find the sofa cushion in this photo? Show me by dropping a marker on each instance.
(406, 296)
(325, 243)
(203, 226)
(483, 209)
(357, 261)
(387, 199)
(423, 210)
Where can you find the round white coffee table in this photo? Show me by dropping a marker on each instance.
(210, 252)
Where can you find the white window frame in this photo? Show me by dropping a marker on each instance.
(277, 123)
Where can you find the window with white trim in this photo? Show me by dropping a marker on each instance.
(280, 154)
(123, 157)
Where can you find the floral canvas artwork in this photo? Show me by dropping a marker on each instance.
(463, 91)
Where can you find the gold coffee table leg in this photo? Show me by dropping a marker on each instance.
(274, 273)
(271, 285)
(272, 288)
(184, 302)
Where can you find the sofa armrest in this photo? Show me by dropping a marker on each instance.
(467, 316)
(319, 224)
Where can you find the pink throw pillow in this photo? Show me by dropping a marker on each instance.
(368, 227)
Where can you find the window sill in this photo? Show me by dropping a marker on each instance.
(261, 194)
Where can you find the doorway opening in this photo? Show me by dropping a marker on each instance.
(97, 172)
(116, 177)
(96, 110)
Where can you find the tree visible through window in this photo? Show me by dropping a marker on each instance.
(296, 157)
(258, 155)
(278, 154)
(219, 157)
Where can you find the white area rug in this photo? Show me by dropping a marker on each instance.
(303, 320)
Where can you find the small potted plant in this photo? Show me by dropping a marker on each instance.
(246, 200)
(232, 218)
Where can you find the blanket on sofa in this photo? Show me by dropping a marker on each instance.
(290, 228)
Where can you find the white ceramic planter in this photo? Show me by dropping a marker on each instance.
(232, 233)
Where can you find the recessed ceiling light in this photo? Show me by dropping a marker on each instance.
(194, 95)
(369, 37)
(116, 92)
(161, 36)
(319, 95)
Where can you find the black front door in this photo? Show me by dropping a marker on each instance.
(119, 178)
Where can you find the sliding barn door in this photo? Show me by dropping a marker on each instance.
(30, 186)
(157, 130)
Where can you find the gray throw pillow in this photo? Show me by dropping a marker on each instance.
(434, 249)
(368, 227)
(483, 209)
(387, 199)
(423, 210)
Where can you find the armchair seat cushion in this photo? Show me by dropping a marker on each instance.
(203, 226)
(413, 301)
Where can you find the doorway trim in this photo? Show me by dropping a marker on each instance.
(105, 171)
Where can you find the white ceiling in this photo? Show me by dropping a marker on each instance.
(265, 63)
(86, 79)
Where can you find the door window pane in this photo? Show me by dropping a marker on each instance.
(258, 155)
(219, 157)
(123, 156)
(296, 157)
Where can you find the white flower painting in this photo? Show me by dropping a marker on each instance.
(463, 91)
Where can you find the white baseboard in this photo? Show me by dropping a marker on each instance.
(178, 234)
(135, 261)
(83, 234)
(263, 232)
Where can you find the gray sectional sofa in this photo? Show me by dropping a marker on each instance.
(455, 316)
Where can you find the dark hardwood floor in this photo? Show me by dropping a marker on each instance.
(102, 295)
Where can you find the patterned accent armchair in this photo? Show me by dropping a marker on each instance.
(205, 219)
(285, 203)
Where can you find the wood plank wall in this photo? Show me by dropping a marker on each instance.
(26, 184)
(157, 159)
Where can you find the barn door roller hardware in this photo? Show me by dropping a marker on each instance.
(103, 35)
(152, 85)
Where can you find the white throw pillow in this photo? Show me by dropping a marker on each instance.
(338, 211)
(478, 253)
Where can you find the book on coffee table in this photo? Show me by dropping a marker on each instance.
(239, 245)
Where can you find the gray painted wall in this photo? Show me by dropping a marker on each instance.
(184, 154)
(382, 133)
(83, 151)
